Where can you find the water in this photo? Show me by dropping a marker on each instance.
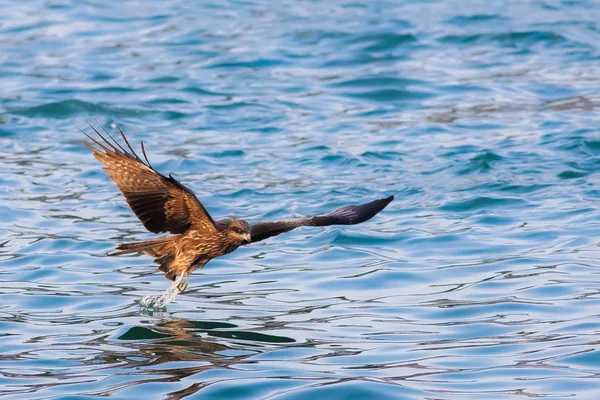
(159, 301)
(480, 279)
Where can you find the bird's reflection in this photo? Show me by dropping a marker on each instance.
(201, 345)
(174, 339)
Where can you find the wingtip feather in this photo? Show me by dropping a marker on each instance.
(383, 203)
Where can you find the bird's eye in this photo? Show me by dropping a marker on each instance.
(237, 230)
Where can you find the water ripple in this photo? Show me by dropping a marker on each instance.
(480, 279)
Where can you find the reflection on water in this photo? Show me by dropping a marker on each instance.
(479, 280)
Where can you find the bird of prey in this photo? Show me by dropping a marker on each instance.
(164, 205)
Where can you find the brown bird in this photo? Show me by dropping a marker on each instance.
(164, 205)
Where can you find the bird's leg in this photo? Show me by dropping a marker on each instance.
(182, 282)
(177, 282)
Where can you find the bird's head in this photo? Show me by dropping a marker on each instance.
(238, 231)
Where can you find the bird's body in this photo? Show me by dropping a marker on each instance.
(180, 255)
(165, 205)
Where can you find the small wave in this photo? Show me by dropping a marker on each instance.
(483, 202)
(511, 39)
(70, 108)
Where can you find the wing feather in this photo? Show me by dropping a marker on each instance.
(349, 215)
(161, 203)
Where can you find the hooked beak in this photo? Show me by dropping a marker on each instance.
(247, 239)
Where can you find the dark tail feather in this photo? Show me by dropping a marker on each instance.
(148, 246)
(162, 249)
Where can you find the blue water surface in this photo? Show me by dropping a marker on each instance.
(481, 280)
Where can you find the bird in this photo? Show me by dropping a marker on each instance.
(164, 205)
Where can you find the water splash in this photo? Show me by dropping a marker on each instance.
(159, 301)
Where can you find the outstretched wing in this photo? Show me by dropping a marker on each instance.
(161, 203)
(349, 215)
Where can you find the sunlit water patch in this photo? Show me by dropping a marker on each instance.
(480, 279)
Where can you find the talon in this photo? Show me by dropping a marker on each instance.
(182, 282)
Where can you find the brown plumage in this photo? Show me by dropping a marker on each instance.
(164, 205)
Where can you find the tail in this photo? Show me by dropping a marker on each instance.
(162, 249)
(154, 247)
